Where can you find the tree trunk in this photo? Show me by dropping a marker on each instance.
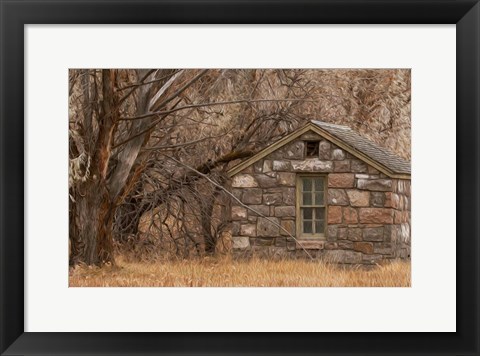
(91, 226)
(92, 236)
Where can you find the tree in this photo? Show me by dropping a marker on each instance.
(145, 143)
(239, 111)
(100, 173)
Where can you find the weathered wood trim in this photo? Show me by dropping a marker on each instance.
(310, 126)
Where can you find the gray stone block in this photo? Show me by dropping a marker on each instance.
(261, 209)
(284, 211)
(267, 166)
(272, 199)
(338, 154)
(345, 245)
(264, 241)
(265, 181)
(358, 198)
(358, 166)
(294, 150)
(248, 230)
(337, 197)
(244, 181)
(239, 213)
(342, 233)
(384, 185)
(377, 199)
(372, 259)
(283, 166)
(288, 196)
(354, 234)
(258, 166)
(373, 233)
(324, 150)
(287, 179)
(252, 196)
(289, 226)
(312, 165)
(383, 248)
(266, 228)
(341, 166)
(240, 242)
(332, 232)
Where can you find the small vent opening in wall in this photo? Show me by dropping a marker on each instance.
(311, 148)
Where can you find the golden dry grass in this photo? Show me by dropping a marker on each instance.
(223, 272)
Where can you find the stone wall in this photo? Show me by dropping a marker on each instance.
(368, 213)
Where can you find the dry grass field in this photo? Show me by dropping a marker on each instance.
(223, 272)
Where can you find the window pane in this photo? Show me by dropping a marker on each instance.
(307, 185)
(307, 227)
(319, 226)
(307, 213)
(307, 199)
(319, 184)
(320, 213)
(319, 198)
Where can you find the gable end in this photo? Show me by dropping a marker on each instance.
(328, 132)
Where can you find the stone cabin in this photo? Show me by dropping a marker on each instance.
(324, 191)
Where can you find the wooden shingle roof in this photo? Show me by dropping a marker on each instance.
(379, 154)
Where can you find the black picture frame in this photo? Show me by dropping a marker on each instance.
(15, 14)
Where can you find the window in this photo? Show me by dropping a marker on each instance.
(311, 206)
(311, 148)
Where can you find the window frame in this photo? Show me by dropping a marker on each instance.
(298, 206)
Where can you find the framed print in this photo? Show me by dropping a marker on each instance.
(248, 148)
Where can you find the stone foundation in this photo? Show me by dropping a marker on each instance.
(367, 214)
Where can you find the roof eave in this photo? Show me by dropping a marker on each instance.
(325, 134)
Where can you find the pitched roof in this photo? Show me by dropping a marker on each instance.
(347, 139)
(377, 153)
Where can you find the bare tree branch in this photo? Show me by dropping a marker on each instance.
(218, 186)
(249, 101)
